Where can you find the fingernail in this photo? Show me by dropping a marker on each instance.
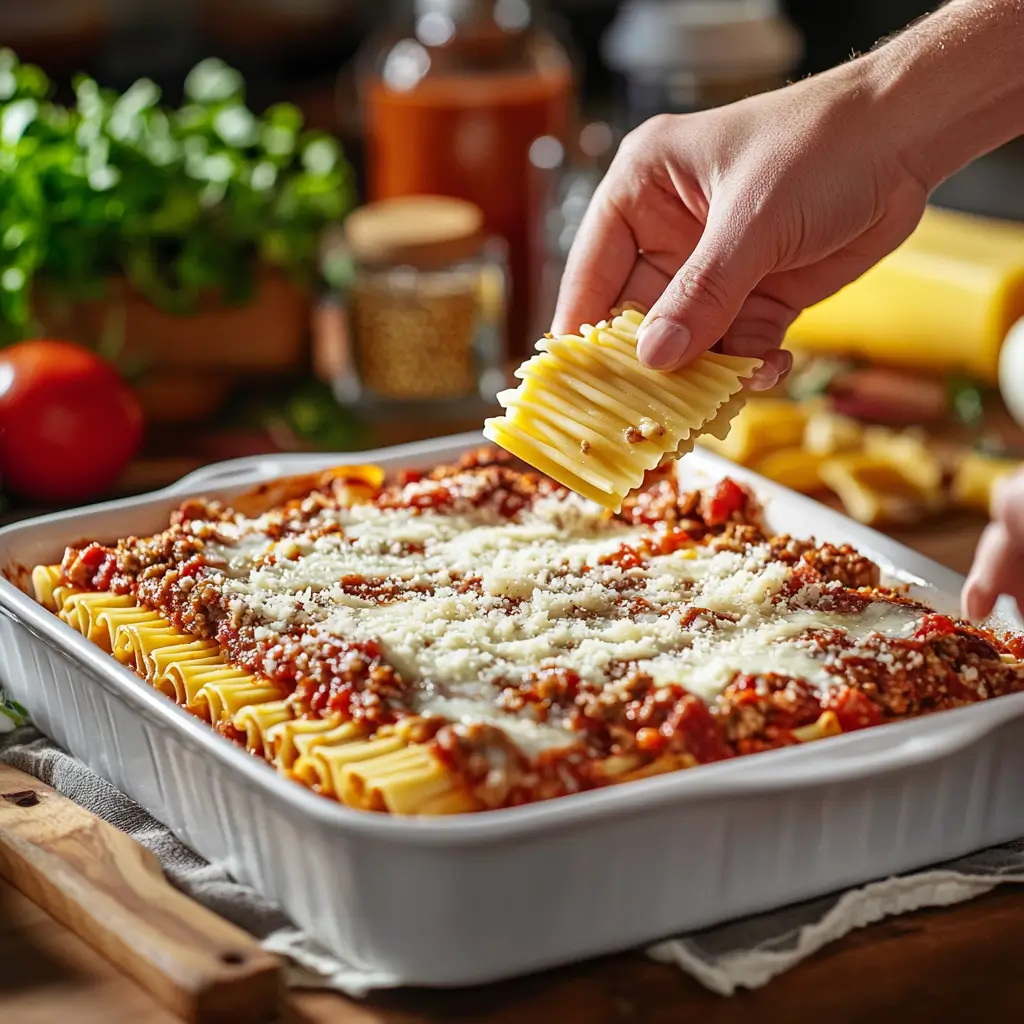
(764, 378)
(775, 366)
(662, 344)
(976, 601)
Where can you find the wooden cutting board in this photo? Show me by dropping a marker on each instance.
(112, 893)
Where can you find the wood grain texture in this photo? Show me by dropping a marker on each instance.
(949, 966)
(111, 892)
(48, 974)
(954, 965)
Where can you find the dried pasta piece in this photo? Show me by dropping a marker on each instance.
(795, 468)
(399, 782)
(909, 452)
(63, 597)
(113, 619)
(310, 767)
(282, 748)
(185, 682)
(875, 489)
(616, 766)
(763, 425)
(135, 641)
(590, 416)
(195, 653)
(225, 698)
(45, 580)
(455, 801)
(89, 612)
(829, 433)
(826, 725)
(257, 721)
(660, 766)
(976, 477)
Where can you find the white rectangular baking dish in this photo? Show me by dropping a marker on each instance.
(480, 897)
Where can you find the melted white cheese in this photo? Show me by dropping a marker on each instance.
(540, 597)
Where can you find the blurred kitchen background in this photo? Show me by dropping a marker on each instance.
(340, 223)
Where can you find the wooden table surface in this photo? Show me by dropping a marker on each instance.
(959, 964)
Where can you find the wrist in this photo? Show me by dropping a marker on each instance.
(949, 89)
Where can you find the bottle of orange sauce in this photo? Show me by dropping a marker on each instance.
(454, 93)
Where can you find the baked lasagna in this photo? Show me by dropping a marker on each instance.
(479, 637)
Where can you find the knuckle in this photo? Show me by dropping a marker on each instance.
(706, 284)
(661, 124)
(647, 137)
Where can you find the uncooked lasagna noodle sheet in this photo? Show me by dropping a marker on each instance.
(592, 417)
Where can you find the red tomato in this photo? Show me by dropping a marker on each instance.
(854, 710)
(68, 423)
(718, 506)
(933, 626)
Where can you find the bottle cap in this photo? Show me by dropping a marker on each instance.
(419, 231)
(710, 38)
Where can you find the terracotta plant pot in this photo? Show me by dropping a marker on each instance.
(188, 364)
(178, 398)
(268, 335)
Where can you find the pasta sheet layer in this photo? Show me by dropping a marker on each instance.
(388, 772)
(591, 416)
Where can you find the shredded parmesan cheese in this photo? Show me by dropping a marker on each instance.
(464, 603)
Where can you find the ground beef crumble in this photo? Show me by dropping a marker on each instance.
(632, 721)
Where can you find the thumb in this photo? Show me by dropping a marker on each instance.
(703, 299)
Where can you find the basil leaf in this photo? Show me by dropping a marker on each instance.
(185, 203)
(12, 714)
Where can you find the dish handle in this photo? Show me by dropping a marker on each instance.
(245, 472)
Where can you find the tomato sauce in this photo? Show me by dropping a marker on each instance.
(469, 136)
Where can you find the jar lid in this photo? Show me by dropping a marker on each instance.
(420, 231)
(711, 38)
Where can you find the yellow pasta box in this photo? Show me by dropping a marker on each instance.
(943, 302)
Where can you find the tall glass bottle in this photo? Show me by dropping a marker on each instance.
(454, 94)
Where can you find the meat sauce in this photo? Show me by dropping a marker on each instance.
(634, 721)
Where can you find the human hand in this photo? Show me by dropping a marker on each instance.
(999, 561)
(727, 223)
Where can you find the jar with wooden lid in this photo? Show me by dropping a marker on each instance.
(424, 302)
(453, 94)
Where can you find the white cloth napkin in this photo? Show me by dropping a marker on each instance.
(742, 954)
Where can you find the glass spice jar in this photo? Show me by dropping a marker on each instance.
(453, 94)
(425, 302)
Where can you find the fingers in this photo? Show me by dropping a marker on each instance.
(999, 561)
(599, 264)
(758, 333)
(644, 284)
(1008, 507)
(980, 591)
(775, 366)
(997, 569)
(704, 299)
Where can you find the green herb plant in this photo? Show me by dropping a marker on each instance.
(184, 203)
(12, 714)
